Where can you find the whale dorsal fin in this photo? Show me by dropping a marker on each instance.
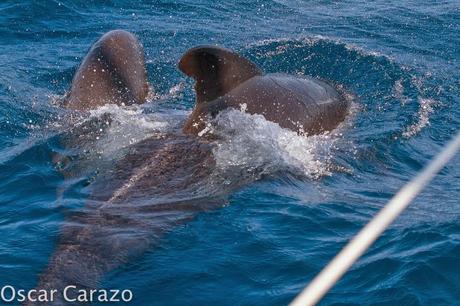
(113, 72)
(216, 71)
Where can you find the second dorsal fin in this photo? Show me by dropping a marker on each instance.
(216, 71)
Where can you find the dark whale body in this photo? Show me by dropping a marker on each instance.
(128, 211)
(113, 71)
(225, 79)
(136, 202)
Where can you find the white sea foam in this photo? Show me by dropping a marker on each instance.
(424, 112)
(247, 144)
(125, 125)
(175, 92)
(310, 41)
(130, 124)
(255, 146)
(398, 92)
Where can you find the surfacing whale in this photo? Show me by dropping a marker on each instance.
(132, 205)
(145, 194)
(225, 79)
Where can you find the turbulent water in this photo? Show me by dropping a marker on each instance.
(305, 197)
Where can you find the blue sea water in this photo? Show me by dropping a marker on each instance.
(310, 195)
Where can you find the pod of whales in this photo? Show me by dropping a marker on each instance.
(130, 208)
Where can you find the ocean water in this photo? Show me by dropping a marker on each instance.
(303, 197)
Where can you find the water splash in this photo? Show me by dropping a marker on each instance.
(398, 92)
(425, 110)
(284, 45)
(130, 124)
(249, 143)
(175, 92)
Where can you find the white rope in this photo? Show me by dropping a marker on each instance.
(363, 240)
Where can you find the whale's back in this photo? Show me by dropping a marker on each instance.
(298, 103)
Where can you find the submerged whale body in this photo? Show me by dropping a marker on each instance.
(225, 79)
(143, 195)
